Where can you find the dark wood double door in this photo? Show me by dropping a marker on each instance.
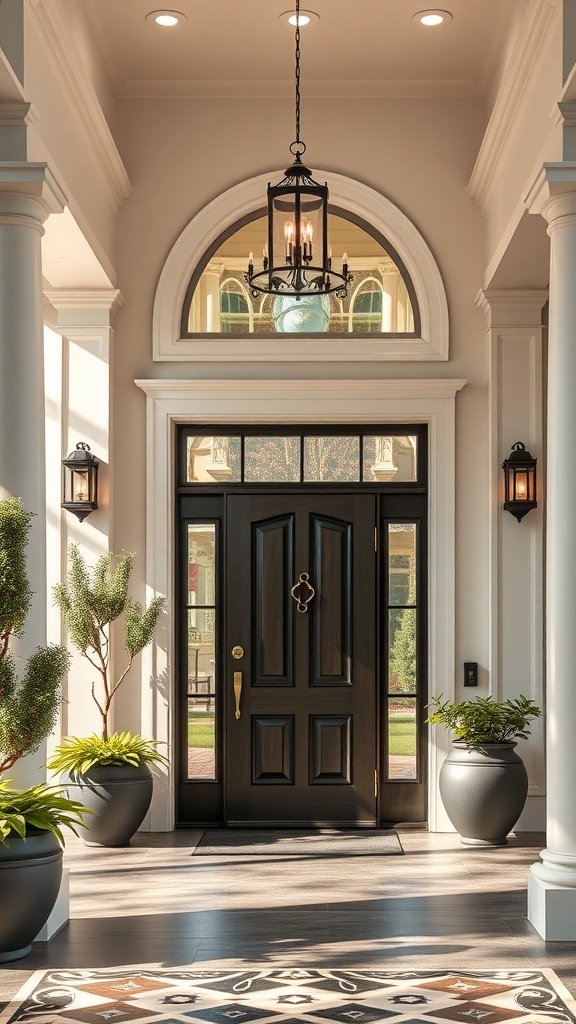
(300, 660)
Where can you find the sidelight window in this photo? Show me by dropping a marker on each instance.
(201, 651)
(402, 691)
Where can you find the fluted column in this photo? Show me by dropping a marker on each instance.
(28, 194)
(552, 881)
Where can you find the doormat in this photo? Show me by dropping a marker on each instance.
(187, 995)
(298, 843)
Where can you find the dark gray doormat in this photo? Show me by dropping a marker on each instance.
(298, 843)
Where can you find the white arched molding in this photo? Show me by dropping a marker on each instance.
(351, 196)
(173, 402)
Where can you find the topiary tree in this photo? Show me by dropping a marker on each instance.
(28, 707)
(90, 602)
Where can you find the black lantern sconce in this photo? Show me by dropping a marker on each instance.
(519, 481)
(80, 481)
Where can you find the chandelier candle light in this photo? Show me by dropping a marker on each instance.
(297, 260)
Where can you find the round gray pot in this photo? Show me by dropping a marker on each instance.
(483, 790)
(118, 795)
(30, 875)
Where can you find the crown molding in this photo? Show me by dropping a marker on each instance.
(278, 89)
(343, 390)
(66, 68)
(536, 28)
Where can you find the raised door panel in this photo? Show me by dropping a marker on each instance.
(330, 750)
(273, 617)
(331, 638)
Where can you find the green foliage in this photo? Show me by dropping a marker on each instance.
(15, 593)
(39, 809)
(485, 720)
(28, 708)
(403, 654)
(79, 754)
(90, 603)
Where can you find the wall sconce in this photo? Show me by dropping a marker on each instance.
(519, 481)
(80, 481)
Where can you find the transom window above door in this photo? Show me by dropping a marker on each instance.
(266, 457)
(380, 301)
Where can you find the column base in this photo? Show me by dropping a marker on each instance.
(551, 909)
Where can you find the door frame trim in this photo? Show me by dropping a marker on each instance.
(170, 403)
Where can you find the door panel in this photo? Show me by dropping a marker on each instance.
(307, 712)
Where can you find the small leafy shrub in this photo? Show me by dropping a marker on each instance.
(485, 720)
(78, 754)
(38, 809)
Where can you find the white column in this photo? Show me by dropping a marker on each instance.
(78, 372)
(516, 648)
(28, 194)
(552, 883)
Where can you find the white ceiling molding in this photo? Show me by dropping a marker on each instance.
(536, 26)
(346, 194)
(67, 68)
(253, 89)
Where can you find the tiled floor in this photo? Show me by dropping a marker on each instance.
(440, 906)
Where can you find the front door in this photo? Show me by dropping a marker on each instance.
(300, 659)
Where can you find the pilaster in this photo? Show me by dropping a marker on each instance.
(515, 341)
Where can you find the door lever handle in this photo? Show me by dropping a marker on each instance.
(237, 692)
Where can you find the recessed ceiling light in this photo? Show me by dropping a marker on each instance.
(306, 18)
(167, 19)
(431, 18)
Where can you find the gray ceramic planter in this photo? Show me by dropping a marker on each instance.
(119, 797)
(483, 790)
(30, 875)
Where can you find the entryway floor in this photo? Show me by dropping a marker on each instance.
(441, 905)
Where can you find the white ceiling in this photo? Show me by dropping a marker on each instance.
(370, 46)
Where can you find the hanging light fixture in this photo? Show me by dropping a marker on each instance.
(519, 481)
(297, 260)
(80, 481)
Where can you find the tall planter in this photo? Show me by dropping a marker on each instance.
(484, 790)
(30, 876)
(118, 796)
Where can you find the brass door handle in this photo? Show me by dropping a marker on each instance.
(237, 692)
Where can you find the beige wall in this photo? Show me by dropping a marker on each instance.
(181, 154)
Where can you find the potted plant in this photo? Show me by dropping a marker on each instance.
(31, 820)
(110, 772)
(483, 781)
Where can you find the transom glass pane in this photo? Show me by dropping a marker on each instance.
(272, 459)
(210, 459)
(331, 458)
(390, 458)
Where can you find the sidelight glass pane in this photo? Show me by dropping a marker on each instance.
(402, 563)
(402, 732)
(210, 459)
(201, 738)
(201, 580)
(331, 458)
(390, 458)
(402, 650)
(272, 459)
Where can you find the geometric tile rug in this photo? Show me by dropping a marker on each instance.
(290, 996)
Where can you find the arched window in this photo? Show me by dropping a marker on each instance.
(380, 300)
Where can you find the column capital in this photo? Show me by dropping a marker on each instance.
(84, 307)
(26, 183)
(512, 307)
(553, 191)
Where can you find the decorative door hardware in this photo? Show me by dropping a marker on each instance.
(302, 601)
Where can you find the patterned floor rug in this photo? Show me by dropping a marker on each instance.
(291, 996)
(297, 843)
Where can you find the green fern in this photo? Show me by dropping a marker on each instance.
(38, 809)
(80, 754)
(485, 720)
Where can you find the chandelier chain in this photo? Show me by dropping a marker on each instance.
(297, 71)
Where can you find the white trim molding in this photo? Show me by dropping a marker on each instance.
(345, 193)
(173, 402)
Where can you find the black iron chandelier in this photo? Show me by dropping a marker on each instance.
(297, 260)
